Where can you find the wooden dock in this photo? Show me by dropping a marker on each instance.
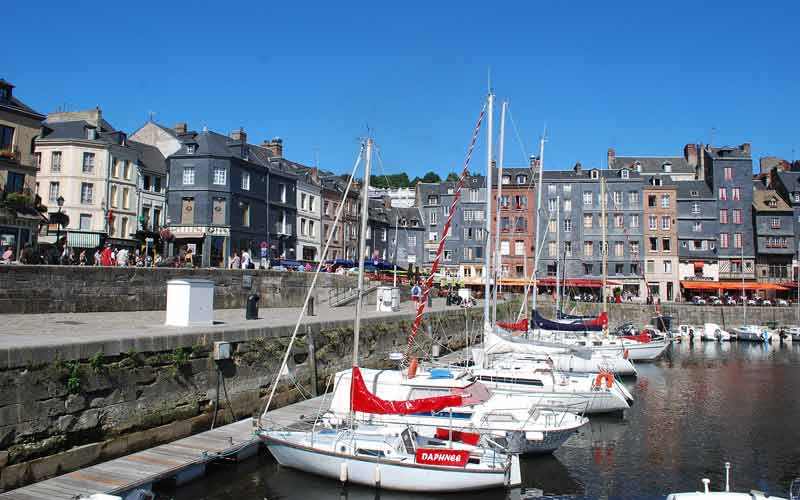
(180, 461)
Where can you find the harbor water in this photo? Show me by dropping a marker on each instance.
(700, 406)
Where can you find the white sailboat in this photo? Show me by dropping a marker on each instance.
(727, 494)
(394, 457)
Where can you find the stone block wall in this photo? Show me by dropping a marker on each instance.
(50, 289)
(65, 412)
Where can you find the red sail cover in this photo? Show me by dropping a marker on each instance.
(364, 401)
(441, 456)
(601, 320)
(521, 325)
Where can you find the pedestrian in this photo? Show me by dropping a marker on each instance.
(8, 255)
(308, 267)
(96, 257)
(189, 258)
(26, 256)
(236, 261)
(122, 257)
(158, 260)
(415, 291)
(107, 257)
(82, 258)
(246, 262)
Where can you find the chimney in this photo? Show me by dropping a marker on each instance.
(700, 169)
(577, 168)
(239, 135)
(745, 148)
(275, 146)
(387, 201)
(690, 153)
(180, 128)
(612, 157)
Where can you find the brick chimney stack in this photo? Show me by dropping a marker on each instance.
(690, 153)
(745, 148)
(578, 167)
(612, 157)
(239, 135)
(180, 128)
(275, 146)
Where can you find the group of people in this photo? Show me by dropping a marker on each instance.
(241, 260)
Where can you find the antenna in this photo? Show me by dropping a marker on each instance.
(150, 115)
(489, 78)
(713, 133)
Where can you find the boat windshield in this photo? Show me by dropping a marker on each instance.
(473, 394)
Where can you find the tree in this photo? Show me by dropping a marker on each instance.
(452, 177)
(431, 176)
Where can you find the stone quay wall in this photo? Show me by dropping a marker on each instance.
(63, 289)
(64, 408)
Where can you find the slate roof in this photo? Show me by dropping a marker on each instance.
(585, 175)
(14, 104)
(653, 164)
(76, 129)
(409, 213)
(378, 212)
(790, 180)
(761, 197)
(150, 157)
(685, 189)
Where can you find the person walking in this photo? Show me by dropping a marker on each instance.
(246, 262)
(8, 255)
(107, 257)
(236, 262)
(189, 258)
(96, 257)
(82, 258)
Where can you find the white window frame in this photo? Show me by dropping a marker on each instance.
(188, 176)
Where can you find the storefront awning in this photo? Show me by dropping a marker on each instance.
(729, 285)
(83, 240)
(698, 265)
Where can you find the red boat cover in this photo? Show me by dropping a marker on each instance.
(364, 401)
(642, 337)
(442, 456)
(465, 437)
(601, 320)
(521, 325)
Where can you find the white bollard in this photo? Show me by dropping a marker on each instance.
(343, 472)
(705, 484)
(727, 476)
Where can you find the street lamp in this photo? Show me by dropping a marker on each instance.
(60, 202)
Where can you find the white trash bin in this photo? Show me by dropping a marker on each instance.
(190, 302)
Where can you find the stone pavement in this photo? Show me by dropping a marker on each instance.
(62, 329)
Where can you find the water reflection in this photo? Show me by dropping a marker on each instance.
(704, 404)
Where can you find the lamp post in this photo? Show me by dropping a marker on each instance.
(60, 202)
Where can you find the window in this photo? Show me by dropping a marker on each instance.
(737, 215)
(619, 249)
(506, 179)
(434, 218)
(567, 225)
(520, 201)
(6, 138)
(474, 195)
(145, 216)
(666, 167)
(188, 176)
(15, 182)
(697, 227)
(552, 204)
(433, 200)
(519, 247)
(302, 201)
(433, 236)
(113, 195)
(772, 203)
(245, 181)
(551, 189)
(568, 248)
(634, 248)
(187, 211)
(551, 226)
(736, 266)
(664, 201)
(218, 211)
(86, 193)
(85, 222)
(728, 174)
(723, 216)
(624, 174)
(245, 214)
(505, 224)
(775, 223)
(695, 208)
(146, 182)
(724, 240)
(587, 221)
(157, 184)
(667, 266)
(695, 193)
(53, 196)
(505, 247)
(633, 197)
(220, 176)
(567, 189)
(666, 245)
(650, 266)
(652, 222)
(190, 148)
(126, 171)
(88, 162)
(551, 249)
(737, 240)
(587, 268)
(665, 222)
(411, 241)
(651, 200)
(619, 268)
(504, 201)
(311, 201)
(126, 198)
(723, 194)
(588, 248)
(737, 194)
(124, 227)
(617, 198)
(594, 174)
(568, 205)
(522, 179)
(37, 160)
(448, 255)
(55, 161)
(156, 217)
(312, 232)
(619, 220)
(635, 220)
(653, 244)
(587, 197)
(282, 190)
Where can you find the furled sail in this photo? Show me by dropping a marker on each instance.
(364, 401)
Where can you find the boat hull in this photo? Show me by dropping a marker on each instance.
(601, 401)
(393, 475)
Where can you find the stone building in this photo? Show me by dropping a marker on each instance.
(309, 212)
(787, 185)
(679, 168)
(516, 223)
(332, 192)
(19, 126)
(406, 236)
(698, 227)
(378, 230)
(728, 173)
(91, 165)
(660, 224)
(151, 190)
(773, 221)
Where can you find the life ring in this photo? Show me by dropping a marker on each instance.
(412, 368)
(608, 377)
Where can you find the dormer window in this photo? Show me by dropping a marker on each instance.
(655, 181)
(522, 179)
(638, 166)
(772, 203)
(190, 148)
(695, 193)
(624, 173)
(506, 179)
(595, 174)
(91, 133)
(5, 93)
(666, 167)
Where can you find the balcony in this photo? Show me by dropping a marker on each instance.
(282, 229)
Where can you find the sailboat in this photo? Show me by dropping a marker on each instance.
(707, 494)
(394, 457)
(752, 333)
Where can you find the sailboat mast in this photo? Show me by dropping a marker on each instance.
(394, 274)
(487, 261)
(558, 258)
(744, 299)
(603, 244)
(538, 212)
(362, 248)
(497, 256)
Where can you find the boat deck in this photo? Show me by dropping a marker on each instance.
(179, 461)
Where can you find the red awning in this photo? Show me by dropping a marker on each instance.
(698, 265)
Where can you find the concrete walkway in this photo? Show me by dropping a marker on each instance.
(55, 330)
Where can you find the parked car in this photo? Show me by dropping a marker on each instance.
(782, 303)
(714, 301)
(698, 300)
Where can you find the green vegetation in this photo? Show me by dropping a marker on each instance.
(401, 180)
(74, 378)
(180, 357)
(96, 362)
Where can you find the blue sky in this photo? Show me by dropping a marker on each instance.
(644, 79)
